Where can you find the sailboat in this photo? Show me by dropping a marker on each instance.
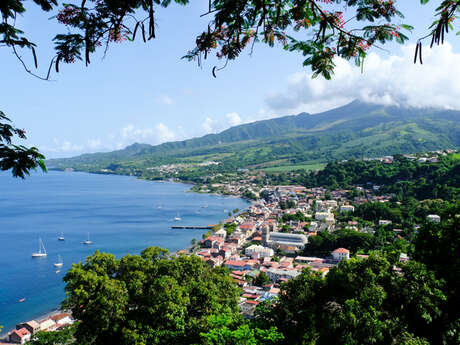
(61, 238)
(87, 241)
(177, 218)
(59, 263)
(41, 250)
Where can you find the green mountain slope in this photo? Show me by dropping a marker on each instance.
(352, 131)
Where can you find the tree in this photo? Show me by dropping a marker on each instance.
(147, 299)
(18, 158)
(234, 26)
(262, 279)
(63, 337)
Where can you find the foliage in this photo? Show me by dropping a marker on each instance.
(262, 279)
(146, 299)
(403, 177)
(225, 331)
(362, 301)
(62, 337)
(18, 158)
(325, 242)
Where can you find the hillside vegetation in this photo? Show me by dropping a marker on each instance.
(353, 131)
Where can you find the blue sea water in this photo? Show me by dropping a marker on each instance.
(123, 215)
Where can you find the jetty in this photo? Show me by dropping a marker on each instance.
(207, 227)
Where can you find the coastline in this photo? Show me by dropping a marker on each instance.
(190, 248)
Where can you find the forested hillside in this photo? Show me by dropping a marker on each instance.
(352, 131)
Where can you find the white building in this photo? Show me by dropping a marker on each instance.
(434, 218)
(323, 215)
(384, 222)
(330, 203)
(276, 274)
(261, 250)
(347, 208)
(341, 254)
(221, 233)
(293, 240)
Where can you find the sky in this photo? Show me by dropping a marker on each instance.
(146, 93)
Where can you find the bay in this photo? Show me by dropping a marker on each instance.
(122, 214)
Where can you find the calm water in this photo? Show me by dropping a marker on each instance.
(122, 214)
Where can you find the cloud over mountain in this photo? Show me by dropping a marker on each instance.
(391, 80)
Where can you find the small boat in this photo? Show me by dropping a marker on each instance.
(87, 241)
(41, 250)
(61, 238)
(59, 263)
(22, 300)
(58, 271)
(177, 218)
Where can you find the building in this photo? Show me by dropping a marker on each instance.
(347, 208)
(294, 240)
(323, 215)
(276, 274)
(260, 250)
(47, 325)
(221, 233)
(341, 254)
(32, 326)
(19, 336)
(384, 222)
(62, 319)
(434, 218)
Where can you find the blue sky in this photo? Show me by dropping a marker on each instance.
(146, 93)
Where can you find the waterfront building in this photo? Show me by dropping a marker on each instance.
(19, 336)
(32, 326)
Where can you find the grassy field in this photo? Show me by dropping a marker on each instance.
(284, 168)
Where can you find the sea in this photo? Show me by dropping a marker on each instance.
(120, 214)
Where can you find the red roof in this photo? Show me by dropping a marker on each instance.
(342, 251)
(21, 332)
(252, 302)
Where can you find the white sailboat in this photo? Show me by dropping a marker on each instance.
(59, 263)
(177, 218)
(61, 238)
(41, 250)
(87, 241)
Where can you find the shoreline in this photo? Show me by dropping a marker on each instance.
(42, 316)
(188, 249)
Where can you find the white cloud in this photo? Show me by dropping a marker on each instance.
(234, 119)
(209, 125)
(386, 80)
(165, 99)
(65, 146)
(157, 135)
(163, 133)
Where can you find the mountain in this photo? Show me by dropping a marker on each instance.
(355, 130)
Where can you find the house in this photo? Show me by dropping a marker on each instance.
(347, 208)
(32, 326)
(276, 274)
(433, 218)
(213, 242)
(19, 336)
(384, 222)
(239, 265)
(62, 319)
(341, 254)
(221, 233)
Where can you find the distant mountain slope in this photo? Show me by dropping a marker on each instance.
(354, 130)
